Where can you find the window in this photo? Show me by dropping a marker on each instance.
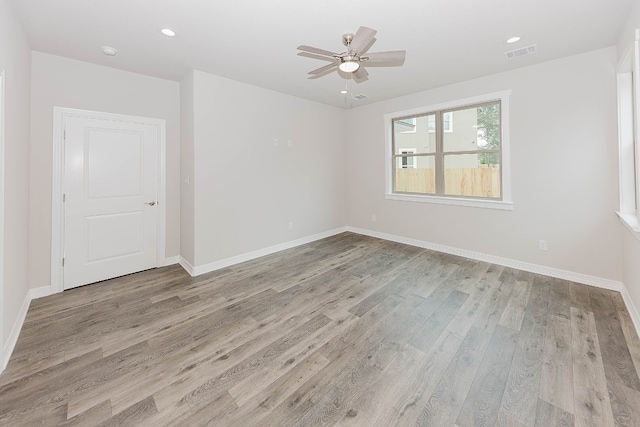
(629, 135)
(447, 122)
(465, 165)
(406, 161)
(407, 125)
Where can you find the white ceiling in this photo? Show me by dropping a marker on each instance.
(255, 41)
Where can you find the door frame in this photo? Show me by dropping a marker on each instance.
(60, 114)
(3, 361)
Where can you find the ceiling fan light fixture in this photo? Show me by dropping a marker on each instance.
(349, 66)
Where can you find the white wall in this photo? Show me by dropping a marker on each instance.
(15, 60)
(564, 170)
(247, 190)
(630, 240)
(187, 160)
(63, 82)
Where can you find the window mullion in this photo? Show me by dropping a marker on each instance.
(439, 154)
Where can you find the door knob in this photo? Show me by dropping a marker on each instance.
(150, 203)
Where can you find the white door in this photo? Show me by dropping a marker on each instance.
(110, 199)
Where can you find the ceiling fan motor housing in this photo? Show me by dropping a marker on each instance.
(347, 39)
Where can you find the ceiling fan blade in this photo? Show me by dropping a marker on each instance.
(324, 68)
(316, 50)
(361, 73)
(362, 38)
(389, 56)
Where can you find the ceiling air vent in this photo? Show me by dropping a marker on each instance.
(359, 97)
(522, 51)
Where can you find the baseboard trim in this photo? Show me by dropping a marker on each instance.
(170, 261)
(15, 332)
(187, 266)
(217, 265)
(41, 292)
(586, 279)
(631, 308)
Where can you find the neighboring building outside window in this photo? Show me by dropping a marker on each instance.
(407, 161)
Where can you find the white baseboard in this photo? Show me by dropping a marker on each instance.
(12, 339)
(187, 266)
(586, 279)
(170, 261)
(631, 308)
(217, 265)
(40, 292)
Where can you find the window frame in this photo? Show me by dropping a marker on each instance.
(505, 203)
(628, 88)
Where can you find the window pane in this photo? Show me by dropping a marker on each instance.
(413, 133)
(476, 128)
(420, 177)
(447, 122)
(475, 175)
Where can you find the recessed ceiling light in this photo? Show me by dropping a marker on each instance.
(513, 39)
(168, 32)
(109, 51)
(343, 92)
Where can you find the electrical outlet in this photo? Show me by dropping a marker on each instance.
(542, 245)
(275, 142)
(290, 226)
(373, 218)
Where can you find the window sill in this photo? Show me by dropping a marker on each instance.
(487, 204)
(630, 221)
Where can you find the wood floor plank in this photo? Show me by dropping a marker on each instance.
(491, 310)
(592, 408)
(464, 319)
(579, 296)
(278, 391)
(372, 404)
(588, 370)
(482, 404)
(438, 321)
(520, 397)
(514, 311)
(212, 388)
(93, 416)
(550, 415)
(348, 330)
(269, 372)
(618, 364)
(446, 401)
(556, 380)
(413, 397)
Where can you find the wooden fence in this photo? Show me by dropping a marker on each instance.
(483, 181)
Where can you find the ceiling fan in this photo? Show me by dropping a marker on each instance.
(351, 60)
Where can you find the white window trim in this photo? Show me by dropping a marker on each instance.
(629, 137)
(3, 360)
(505, 204)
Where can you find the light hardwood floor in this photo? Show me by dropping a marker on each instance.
(349, 330)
